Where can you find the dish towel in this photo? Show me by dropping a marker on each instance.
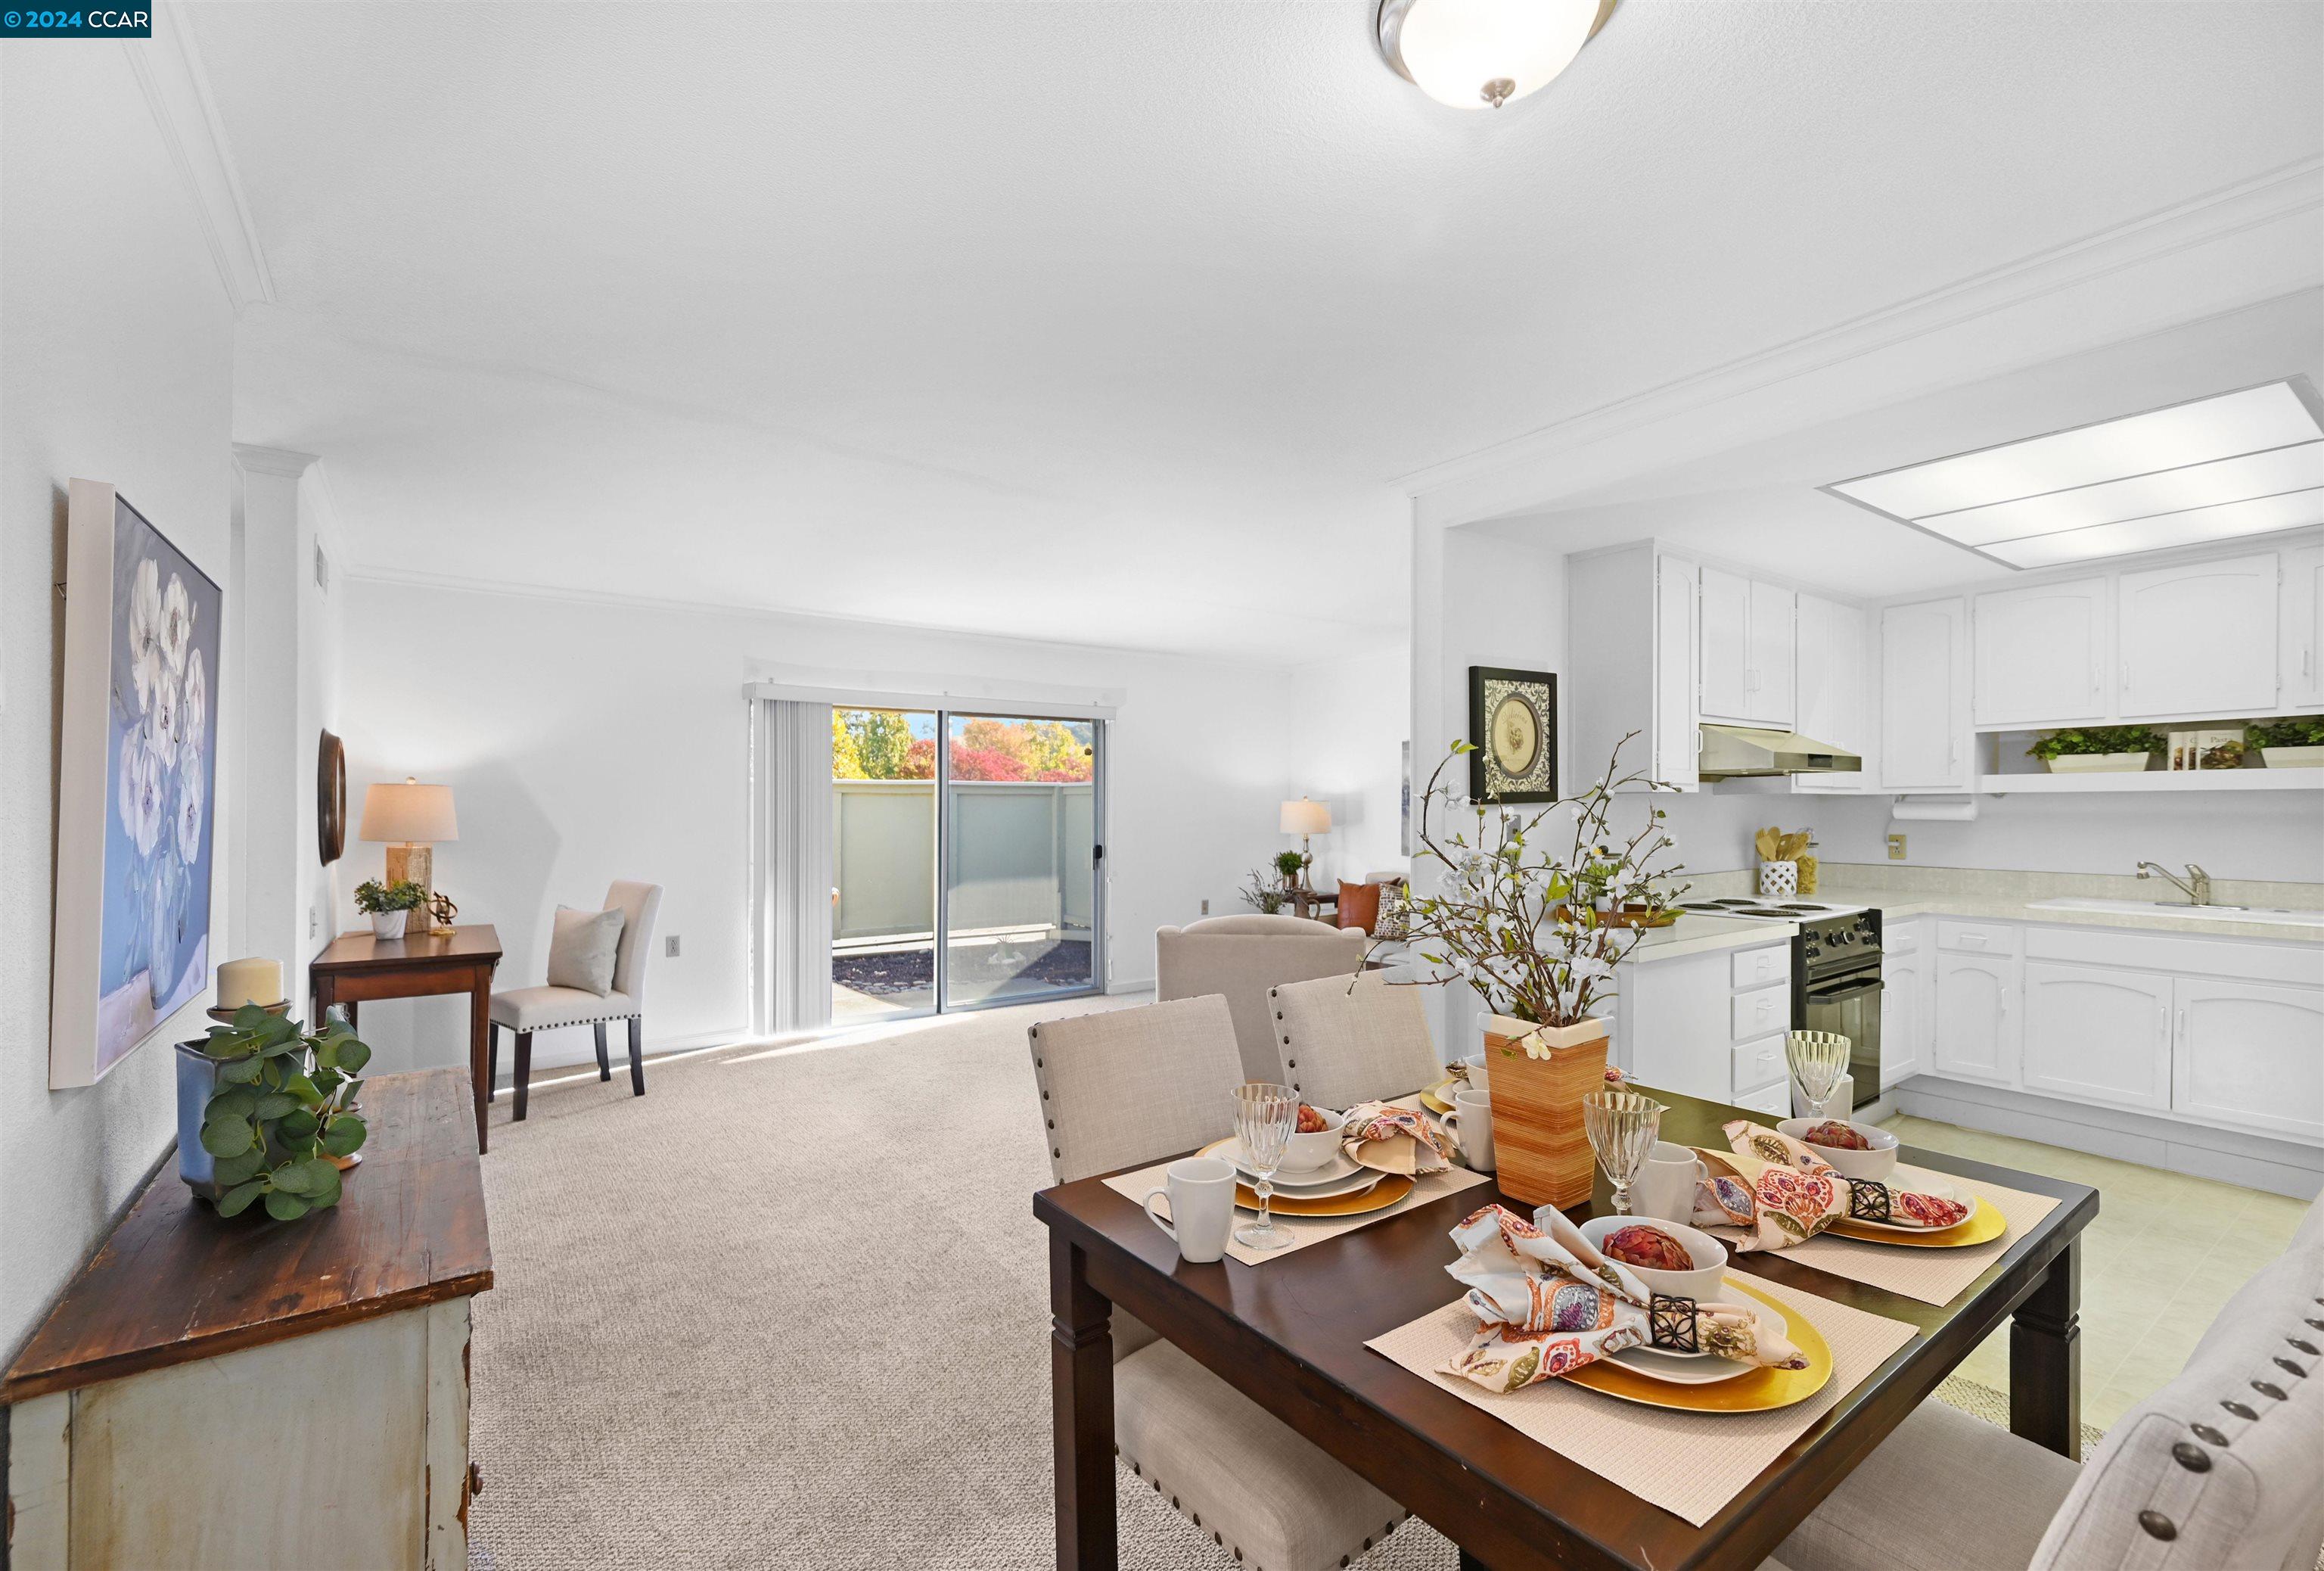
(1389, 1139)
(1781, 1193)
(1547, 1303)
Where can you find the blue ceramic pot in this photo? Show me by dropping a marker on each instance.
(198, 1082)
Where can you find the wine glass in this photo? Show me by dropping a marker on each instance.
(1623, 1127)
(1265, 1116)
(1818, 1059)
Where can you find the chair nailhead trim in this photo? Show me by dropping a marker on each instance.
(2204, 1432)
(2240, 1410)
(2292, 1369)
(2314, 1324)
(2302, 1346)
(2158, 1525)
(2192, 1458)
(2272, 1392)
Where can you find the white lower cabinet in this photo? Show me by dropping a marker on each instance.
(2096, 1034)
(1903, 987)
(2249, 1054)
(1686, 1025)
(1976, 1026)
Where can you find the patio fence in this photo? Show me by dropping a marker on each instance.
(1019, 854)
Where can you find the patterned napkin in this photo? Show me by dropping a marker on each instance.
(1547, 1302)
(1390, 1138)
(1781, 1193)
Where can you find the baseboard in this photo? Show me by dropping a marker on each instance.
(1144, 985)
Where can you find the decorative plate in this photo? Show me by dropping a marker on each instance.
(1983, 1226)
(1755, 1390)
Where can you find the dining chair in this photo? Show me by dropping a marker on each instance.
(2219, 1470)
(1239, 958)
(1343, 1043)
(1125, 1088)
(527, 1010)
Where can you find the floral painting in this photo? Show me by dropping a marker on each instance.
(161, 769)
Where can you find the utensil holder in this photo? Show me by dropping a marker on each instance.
(1541, 1149)
(1778, 880)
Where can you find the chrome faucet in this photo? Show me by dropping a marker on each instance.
(2196, 886)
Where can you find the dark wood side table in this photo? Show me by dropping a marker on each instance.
(1310, 902)
(357, 966)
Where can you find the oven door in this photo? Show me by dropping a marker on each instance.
(1851, 1006)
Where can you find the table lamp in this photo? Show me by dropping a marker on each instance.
(1304, 817)
(411, 818)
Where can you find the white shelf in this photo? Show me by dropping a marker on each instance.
(2155, 780)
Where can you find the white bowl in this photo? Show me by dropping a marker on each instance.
(1877, 1163)
(1701, 1284)
(1479, 1076)
(1303, 1154)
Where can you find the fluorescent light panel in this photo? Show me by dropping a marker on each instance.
(2239, 463)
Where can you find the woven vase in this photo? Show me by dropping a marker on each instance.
(1541, 1148)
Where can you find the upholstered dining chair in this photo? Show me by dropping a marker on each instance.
(1122, 1088)
(2222, 1470)
(1239, 958)
(1347, 1042)
(527, 1010)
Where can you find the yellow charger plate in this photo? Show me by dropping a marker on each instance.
(1392, 1187)
(1754, 1392)
(1436, 1098)
(1986, 1226)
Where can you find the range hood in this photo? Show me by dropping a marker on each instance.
(1731, 751)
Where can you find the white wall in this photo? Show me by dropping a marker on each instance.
(118, 367)
(587, 740)
(1349, 717)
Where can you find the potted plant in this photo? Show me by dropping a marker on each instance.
(2294, 743)
(1291, 867)
(390, 905)
(1263, 896)
(1519, 923)
(2098, 749)
(266, 1111)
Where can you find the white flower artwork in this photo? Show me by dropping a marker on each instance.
(188, 815)
(177, 624)
(145, 631)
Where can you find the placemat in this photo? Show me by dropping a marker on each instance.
(1304, 1230)
(1933, 1276)
(1688, 1464)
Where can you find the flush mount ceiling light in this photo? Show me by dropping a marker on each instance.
(1478, 54)
(2239, 463)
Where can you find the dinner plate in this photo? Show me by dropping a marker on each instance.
(1349, 1179)
(1340, 1168)
(1754, 1390)
(1696, 1368)
(1925, 1183)
(1982, 1225)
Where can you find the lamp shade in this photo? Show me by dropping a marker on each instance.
(1306, 817)
(408, 814)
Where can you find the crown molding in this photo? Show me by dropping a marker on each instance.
(2282, 193)
(253, 459)
(169, 69)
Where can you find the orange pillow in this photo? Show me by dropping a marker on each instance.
(1359, 905)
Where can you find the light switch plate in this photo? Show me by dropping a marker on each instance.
(1206, 908)
(1896, 847)
(669, 947)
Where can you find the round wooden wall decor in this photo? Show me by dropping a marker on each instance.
(331, 798)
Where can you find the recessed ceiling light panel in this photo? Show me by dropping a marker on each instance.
(2239, 463)
(1478, 54)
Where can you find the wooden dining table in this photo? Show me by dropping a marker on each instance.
(1289, 1333)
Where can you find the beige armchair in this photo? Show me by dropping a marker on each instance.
(1239, 958)
(527, 1010)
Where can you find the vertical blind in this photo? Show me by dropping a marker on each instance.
(795, 794)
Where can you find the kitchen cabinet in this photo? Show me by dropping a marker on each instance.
(2249, 1054)
(1903, 992)
(2199, 639)
(1975, 1027)
(2301, 660)
(2097, 1034)
(1677, 727)
(1768, 651)
(1725, 645)
(1692, 1024)
(2041, 654)
(1830, 665)
(1924, 707)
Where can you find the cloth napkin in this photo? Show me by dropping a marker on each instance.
(1781, 1193)
(1389, 1139)
(1547, 1303)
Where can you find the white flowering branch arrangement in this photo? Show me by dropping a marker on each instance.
(1526, 926)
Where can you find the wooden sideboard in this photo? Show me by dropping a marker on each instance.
(237, 1392)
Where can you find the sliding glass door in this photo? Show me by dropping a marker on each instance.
(964, 873)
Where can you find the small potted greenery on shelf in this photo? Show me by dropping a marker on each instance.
(389, 905)
(1291, 867)
(2099, 749)
(2297, 743)
(266, 1110)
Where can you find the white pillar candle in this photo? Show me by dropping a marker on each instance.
(241, 981)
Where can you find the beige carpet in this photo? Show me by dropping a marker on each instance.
(786, 1309)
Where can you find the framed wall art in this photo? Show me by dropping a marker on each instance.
(1513, 720)
(137, 786)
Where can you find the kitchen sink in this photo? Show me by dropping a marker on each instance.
(2201, 913)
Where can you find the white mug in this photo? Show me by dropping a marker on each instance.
(1202, 1194)
(1473, 1112)
(1664, 1188)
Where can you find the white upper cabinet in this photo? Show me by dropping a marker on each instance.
(1725, 645)
(2041, 654)
(1767, 671)
(1924, 708)
(1832, 679)
(2302, 660)
(1677, 724)
(2198, 640)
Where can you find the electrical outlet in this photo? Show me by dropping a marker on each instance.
(669, 947)
(314, 921)
(1206, 908)
(1896, 847)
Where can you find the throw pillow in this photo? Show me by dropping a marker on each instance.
(582, 949)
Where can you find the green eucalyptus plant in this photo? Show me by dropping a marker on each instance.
(2298, 731)
(372, 897)
(284, 1107)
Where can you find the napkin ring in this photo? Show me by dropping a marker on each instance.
(1671, 1323)
(1867, 1201)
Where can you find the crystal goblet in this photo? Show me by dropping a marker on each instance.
(1622, 1126)
(1265, 1116)
(1818, 1060)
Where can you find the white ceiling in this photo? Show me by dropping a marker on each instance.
(1110, 322)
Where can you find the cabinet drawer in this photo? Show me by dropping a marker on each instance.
(1978, 938)
(1759, 1064)
(1759, 967)
(1774, 1101)
(1759, 1012)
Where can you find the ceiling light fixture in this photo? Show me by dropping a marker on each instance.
(2249, 462)
(1478, 54)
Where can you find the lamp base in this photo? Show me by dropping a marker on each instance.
(416, 864)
